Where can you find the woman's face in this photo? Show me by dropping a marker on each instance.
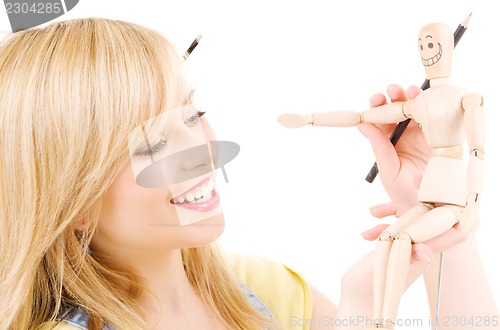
(164, 198)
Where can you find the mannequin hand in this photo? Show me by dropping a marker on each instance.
(469, 218)
(401, 167)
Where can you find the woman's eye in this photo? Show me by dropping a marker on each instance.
(194, 119)
(150, 150)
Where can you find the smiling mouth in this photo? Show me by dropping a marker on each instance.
(201, 193)
(434, 59)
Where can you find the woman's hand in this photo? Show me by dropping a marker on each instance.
(401, 166)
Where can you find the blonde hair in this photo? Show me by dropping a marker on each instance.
(70, 94)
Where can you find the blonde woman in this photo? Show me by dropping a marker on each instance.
(82, 244)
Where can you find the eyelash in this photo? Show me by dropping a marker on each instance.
(191, 121)
(151, 151)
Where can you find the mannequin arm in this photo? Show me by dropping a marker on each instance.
(474, 127)
(384, 114)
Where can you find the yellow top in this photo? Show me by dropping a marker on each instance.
(284, 292)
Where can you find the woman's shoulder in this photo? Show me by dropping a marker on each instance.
(58, 326)
(282, 291)
(285, 293)
(71, 317)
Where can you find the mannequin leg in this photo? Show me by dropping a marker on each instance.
(431, 224)
(382, 251)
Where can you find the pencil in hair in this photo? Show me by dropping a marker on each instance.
(192, 47)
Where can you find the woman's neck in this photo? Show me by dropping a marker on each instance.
(172, 299)
(165, 277)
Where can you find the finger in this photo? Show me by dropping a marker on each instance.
(377, 100)
(396, 93)
(413, 91)
(383, 210)
(373, 233)
(385, 129)
(374, 134)
(422, 252)
(417, 180)
(385, 155)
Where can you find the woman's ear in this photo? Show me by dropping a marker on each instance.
(82, 224)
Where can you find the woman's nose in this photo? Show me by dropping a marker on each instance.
(188, 164)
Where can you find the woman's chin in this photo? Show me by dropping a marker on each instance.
(206, 231)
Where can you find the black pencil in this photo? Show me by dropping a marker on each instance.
(192, 47)
(400, 128)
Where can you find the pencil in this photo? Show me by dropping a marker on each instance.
(192, 47)
(400, 128)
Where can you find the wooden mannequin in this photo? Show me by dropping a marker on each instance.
(449, 192)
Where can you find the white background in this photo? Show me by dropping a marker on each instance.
(299, 196)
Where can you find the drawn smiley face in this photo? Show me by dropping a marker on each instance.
(435, 43)
(430, 50)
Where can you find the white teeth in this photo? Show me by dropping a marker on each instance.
(189, 197)
(432, 60)
(202, 194)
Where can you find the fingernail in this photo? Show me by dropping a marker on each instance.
(419, 255)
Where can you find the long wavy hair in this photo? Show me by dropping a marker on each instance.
(70, 94)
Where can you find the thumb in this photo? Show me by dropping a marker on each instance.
(385, 154)
(383, 210)
(373, 233)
